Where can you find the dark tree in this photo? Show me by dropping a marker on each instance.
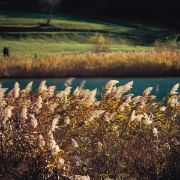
(49, 6)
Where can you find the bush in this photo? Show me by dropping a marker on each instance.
(169, 43)
(100, 43)
(46, 134)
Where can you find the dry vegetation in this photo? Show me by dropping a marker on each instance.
(46, 134)
(151, 63)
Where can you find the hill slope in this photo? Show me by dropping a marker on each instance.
(73, 34)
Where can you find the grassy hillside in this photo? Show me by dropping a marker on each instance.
(24, 33)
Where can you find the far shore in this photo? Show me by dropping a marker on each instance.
(117, 64)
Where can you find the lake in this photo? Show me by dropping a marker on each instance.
(161, 86)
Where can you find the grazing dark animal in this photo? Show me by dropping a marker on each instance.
(6, 52)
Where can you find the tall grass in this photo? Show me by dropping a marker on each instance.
(48, 134)
(151, 63)
(172, 43)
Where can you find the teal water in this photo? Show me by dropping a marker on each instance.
(161, 86)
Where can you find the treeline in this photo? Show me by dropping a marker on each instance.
(166, 11)
(150, 10)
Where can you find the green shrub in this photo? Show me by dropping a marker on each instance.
(169, 43)
(100, 43)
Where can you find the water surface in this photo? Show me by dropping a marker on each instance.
(161, 86)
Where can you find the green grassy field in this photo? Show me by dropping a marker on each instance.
(23, 33)
(45, 47)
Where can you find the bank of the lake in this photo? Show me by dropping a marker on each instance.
(120, 64)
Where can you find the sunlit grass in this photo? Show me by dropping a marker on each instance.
(63, 44)
(136, 63)
(63, 21)
(73, 34)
